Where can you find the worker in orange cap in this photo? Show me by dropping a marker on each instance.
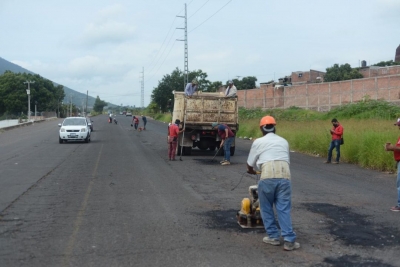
(270, 154)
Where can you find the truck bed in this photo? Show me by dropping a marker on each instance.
(202, 109)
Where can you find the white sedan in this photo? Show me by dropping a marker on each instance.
(74, 129)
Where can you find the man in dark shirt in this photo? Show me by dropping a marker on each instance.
(227, 136)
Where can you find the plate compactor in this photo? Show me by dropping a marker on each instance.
(249, 215)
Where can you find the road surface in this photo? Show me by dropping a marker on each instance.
(118, 201)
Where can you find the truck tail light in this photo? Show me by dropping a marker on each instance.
(193, 137)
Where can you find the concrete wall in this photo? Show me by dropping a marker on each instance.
(7, 123)
(322, 96)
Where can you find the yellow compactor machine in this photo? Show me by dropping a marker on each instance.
(249, 215)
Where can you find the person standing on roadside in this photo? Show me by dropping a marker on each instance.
(135, 121)
(270, 154)
(396, 154)
(227, 136)
(173, 132)
(191, 88)
(337, 133)
(231, 90)
(144, 119)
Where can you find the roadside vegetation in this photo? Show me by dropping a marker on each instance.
(368, 125)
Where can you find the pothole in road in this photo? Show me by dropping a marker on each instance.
(355, 261)
(225, 220)
(355, 229)
(208, 161)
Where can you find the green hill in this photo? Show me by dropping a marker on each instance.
(78, 99)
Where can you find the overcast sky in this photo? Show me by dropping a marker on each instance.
(102, 46)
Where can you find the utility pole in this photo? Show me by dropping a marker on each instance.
(87, 96)
(186, 59)
(28, 91)
(70, 111)
(142, 88)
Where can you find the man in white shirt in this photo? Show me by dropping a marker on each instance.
(270, 154)
(231, 90)
(191, 88)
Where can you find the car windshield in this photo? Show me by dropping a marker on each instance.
(70, 122)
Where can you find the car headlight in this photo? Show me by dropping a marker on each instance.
(62, 130)
(83, 130)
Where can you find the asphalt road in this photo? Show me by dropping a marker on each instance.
(118, 201)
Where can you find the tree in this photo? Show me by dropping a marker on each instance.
(248, 82)
(214, 86)
(341, 73)
(174, 82)
(13, 95)
(387, 63)
(99, 105)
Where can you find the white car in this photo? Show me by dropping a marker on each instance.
(128, 114)
(74, 129)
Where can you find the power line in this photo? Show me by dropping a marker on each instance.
(148, 67)
(198, 9)
(211, 16)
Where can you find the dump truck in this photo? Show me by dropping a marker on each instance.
(197, 113)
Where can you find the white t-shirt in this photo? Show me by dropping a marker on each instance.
(270, 147)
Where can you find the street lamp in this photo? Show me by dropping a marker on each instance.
(35, 109)
(28, 91)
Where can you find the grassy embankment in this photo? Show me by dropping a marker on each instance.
(367, 126)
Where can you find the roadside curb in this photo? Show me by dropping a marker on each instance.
(24, 124)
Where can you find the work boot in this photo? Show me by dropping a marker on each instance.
(335, 162)
(289, 246)
(271, 241)
(225, 163)
(222, 161)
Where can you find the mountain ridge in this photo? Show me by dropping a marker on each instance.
(77, 97)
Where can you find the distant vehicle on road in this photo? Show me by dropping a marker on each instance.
(74, 129)
(128, 114)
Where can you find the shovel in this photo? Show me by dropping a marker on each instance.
(216, 154)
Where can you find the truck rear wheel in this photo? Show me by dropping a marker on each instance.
(187, 151)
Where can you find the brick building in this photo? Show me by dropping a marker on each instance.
(312, 76)
(376, 71)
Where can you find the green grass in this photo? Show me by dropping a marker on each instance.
(368, 125)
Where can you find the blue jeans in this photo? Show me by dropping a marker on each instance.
(334, 144)
(276, 192)
(398, 183)
(227, 148)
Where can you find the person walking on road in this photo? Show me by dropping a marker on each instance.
(135, 121)
(270, 154)
(337, 133)
(231, 90)
(396, 154)
(173, 132)
(191, 88)
(144, 119)
(227, 136)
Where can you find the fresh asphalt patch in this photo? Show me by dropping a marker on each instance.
(355, 229)
(354, 261)
(207, 161)
(225, 220)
